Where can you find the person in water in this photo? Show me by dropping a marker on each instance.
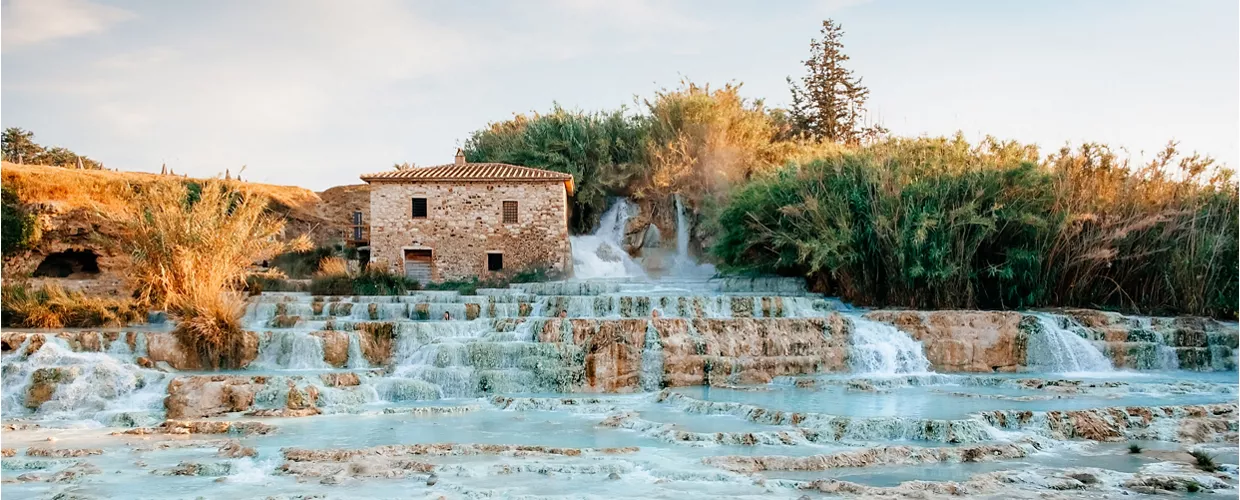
(563, 313)
(654, 313)
(446, 316)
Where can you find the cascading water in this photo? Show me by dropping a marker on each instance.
(602, 254)
(1056, 349)
(684, 265)
(880, 349)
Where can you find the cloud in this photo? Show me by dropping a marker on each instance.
(29, 22)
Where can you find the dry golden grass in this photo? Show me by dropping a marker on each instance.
(192, 258)
(107, 191)
(333, 266)
(53, 307)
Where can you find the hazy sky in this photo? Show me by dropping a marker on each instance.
(315, 93)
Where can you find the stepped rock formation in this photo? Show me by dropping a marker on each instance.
(964, 341)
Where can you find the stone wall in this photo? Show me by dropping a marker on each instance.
(464, 222)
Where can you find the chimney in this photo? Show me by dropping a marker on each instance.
(460, 157)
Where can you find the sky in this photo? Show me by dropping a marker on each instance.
(317, 92)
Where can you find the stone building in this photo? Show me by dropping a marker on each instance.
(469, 219)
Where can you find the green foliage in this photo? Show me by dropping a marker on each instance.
(940, 223)
(51, 306)
(829, 103)
(19, 229)
(259, 283)
(301, 265)
(18, 146)
(369, 282)
(604, 151)
(1134, 449)
(1203, 460)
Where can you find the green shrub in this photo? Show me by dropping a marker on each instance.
(940, 223)
(259, 283)
(605, 153)
(1134, 449)
(369, 282)
(301, 265)
(20, 230)
(1203, 460)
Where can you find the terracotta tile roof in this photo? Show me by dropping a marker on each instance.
(469, 172)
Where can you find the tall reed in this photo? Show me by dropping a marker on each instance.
(191, 257)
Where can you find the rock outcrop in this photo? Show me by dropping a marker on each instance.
(963, 341)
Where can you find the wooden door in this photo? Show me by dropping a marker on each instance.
(418, 265)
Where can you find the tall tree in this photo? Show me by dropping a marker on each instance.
(829, 103)
(18, 145)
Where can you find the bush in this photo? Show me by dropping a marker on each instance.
(301, 265)
(1203, 460)
(259, 283)
(50, 306)
(605, 153)
(20, 229)
(940, 223)
(368, 282)
(1134, 449)
(192, 258)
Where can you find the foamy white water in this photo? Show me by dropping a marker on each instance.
(880, 349)
(1056, 349)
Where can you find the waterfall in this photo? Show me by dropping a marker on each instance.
(1053, 348)
(652, 360)
(602, 254)
(881, 349)
(293, 350)
(684, 265)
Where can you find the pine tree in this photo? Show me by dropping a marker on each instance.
(829, 103)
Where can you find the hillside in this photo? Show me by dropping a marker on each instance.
(72, 209)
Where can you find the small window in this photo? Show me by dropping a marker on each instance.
(510, 212)
(495, 262)
(357, 218)
(419, 208)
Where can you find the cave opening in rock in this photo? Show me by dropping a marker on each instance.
(69, 264)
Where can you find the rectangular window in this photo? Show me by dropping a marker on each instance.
(357, 218)
(495, 262)
(357, 233)
(419, 208)
(510, 212)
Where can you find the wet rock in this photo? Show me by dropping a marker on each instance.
(43, 383)
(439, 449)
(613, 476)
(432, 479)
(234, 449)
(204, 427)
(963, 341)
(8, 452)
(335, 347)
(75, 472)
(376, 340)
(299, 400)
(869, 457)
(283, 412)
(62, 453)
(145, 362)
(30, 477)
(199, 396)
(341, 379)
(1084, 477)
(212, 469)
